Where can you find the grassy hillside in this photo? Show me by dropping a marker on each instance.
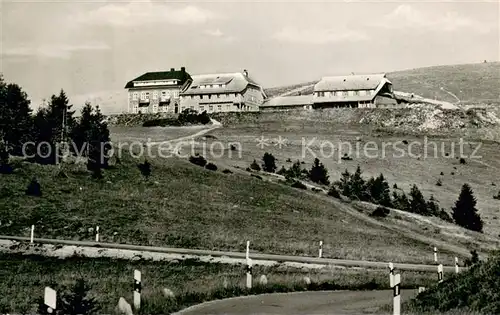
(182, 205)
(475, 291)
(471, 83)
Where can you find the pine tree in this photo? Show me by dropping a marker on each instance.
(255, 166)
(334, 192)
(465, 212)
(358, 184)
(345, 183)
(295, 171)
(417, 201)
(318, 173)
(5, 167)
(433, 206)
(269, 163)
(401, 201)
(16, 122)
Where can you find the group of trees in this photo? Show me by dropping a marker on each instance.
(377, 190)
(51, 132)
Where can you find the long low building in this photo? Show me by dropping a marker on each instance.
(287, 103)
(222, 92)
(363, 91)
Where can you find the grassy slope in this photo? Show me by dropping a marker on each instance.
(24, 279)
(185, 206)
(474, 291)
(469, 82)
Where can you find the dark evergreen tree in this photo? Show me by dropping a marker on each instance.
(5, 167)
(334, 192)
(295, 171)
(282, 171)
(433, 206)
(34, 188)
(358, 184)
(318, 173)
(417, 201)
(345, 183)
(401, 201)
(465, 212)
(145, 168)
(268, 163)
(16, 122)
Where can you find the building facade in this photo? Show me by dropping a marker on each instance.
(222, 92)
(355, 91)
(280, 103)
(156, 92)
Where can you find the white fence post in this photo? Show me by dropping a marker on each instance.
(440, 273)
(50, 300)
(248, 251)
(137, 289)
(320, 249)
(435, 254)
(32, 235)
(397, 295)
(249, 273)
(456, 265)
(391, 274)
(97, 234)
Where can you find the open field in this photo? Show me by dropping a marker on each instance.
(480, 173)
(182, 205)
(24, 278)
(129, 134)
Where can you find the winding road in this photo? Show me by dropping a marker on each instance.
(322, 302)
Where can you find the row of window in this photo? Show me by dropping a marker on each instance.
(212, 86)
(202, 108)
(345, 93)
(210, 96)
(145, 95)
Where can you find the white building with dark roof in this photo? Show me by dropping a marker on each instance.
(287, 103)
(222, 92)
(363, 91)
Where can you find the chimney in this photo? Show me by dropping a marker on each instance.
(245, 72)
(183, 69)
(172, 69)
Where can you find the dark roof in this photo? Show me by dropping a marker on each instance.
(180, 75)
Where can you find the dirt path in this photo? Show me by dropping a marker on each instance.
(325, 302)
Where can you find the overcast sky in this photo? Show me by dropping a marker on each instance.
(92, 47)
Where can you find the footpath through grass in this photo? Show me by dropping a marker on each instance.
(192, 282)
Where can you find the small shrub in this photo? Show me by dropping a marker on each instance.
(226, 171)
(405, 142)
(442, 173)
(446, 154)
(395, 186)
(474, 259)
(299, 185)
(248, 169)
(439, 183)
(315, 189)
(302, 162)
(282, 171)
(289, 160)
(145, 168)
(333, 192)
(346, 157)
(232, 147)
(497, 196)
(198, 160)
(256, 176)
(34, 188)
(493, 184)
(211, 167)
(380, 212)
(462, 161)
(255, 166)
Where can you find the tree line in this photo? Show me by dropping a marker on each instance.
(377, 190)
(51, 132)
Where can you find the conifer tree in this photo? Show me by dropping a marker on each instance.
(318, 173)
(465, 212)
(269, 163)
(417, 201)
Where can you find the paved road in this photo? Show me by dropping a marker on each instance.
(326, 302)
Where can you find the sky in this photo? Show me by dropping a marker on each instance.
(92, 48)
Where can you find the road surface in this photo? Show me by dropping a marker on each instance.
(322, 302)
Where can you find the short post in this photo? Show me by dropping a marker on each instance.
(97, 234)
(320, 249)
(421, 289)
(249, 273)
(50, 300)
(397, 295)
(440, 273)
(435, 254)
(137, 289)
(248, 251)
(456, 265)
(32, 235)
(391, 274)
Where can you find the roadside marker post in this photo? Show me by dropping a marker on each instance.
(249, 273)
(397, 295)
(421, 289)
(456, 265)
(137, 289)
(97, 234)
(50, 300)
(248, 250)
(32, 235)
(391, 274)
(435, 254)
(320, 249)
(440, 273)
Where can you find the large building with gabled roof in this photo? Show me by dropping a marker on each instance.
(363, 91)
(222, 92)
(155, 92)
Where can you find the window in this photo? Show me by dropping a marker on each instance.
(201, 97)
(228, 107)
(356, 92)
(155, 108)
(155, 95)
(202, 108)
(176, 94)
(223, 86)
(209, 96)
(210, 108)
(219, 108)
(135, 95)
(143, 95)
(147, 96)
